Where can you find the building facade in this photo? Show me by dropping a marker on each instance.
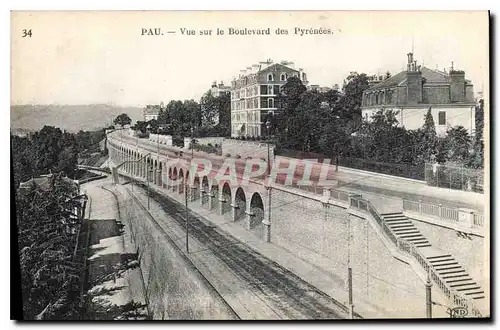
(218, 89)
(151, 112)
(412, 92)
(254, 93)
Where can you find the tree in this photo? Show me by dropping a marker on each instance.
(209, 110)
(477, 156)
(122, 120)
(47, 230)
(457, 144)
(140, 126)
(353, 90)
(153, 125)
(428, 138)
(223, 103)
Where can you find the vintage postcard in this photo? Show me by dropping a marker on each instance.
(250, 165)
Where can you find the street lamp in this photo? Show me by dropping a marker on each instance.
(268, 126)
(150, 172)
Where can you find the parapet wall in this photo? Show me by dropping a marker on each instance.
(174, 288)
(210, 140)
(162, 139)
(246, 149)
(331, 238)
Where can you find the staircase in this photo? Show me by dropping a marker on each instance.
(455, 276)
(403, 228)
(445, 265)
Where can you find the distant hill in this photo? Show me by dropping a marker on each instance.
(68, 117)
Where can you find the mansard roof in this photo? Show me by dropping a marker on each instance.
(432, 77)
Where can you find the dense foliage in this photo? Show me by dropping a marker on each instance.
(48, 232)
(331, 124)
(51, 151)
(209, 117)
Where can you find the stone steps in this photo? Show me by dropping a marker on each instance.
(445, 265)
(455, 276)
(405, 229)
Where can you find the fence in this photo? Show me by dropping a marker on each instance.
(458, 299)
(442, 212)
(403, 170)
(454, 177)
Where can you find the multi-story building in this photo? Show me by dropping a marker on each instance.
(219, 89)
(323, 89)
(412, 92)
(253, 95)
(151, 112)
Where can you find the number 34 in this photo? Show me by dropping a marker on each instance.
(26, 33)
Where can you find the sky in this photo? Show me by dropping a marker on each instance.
(101, 57)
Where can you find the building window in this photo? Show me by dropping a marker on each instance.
(283, 77)
(442, 118)
(263, 89)
(270, 90)
(389, 97)
(270, 103)
(295, 75)
(270, 77)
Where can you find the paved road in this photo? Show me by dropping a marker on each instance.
(285, 293)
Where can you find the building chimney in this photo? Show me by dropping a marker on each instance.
(414, 82)
(410, 58)
(457, 85)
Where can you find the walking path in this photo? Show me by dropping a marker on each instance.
(108, 246)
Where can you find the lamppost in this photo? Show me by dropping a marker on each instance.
(267, 222)
(150, 172)
(186, 186)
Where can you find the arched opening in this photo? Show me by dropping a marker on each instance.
(226, 197)
(257, 211)
(180, 181)
(205, 190)
(240, 202)
(196, 188)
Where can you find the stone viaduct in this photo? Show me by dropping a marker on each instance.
(333, 229)
(168, 170)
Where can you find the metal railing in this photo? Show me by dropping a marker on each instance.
(458, 299)
(442, 213)
(478, 220)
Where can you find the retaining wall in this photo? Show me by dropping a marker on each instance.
(329, 237)
(176, 290)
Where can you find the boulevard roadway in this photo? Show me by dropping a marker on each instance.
(384, 191)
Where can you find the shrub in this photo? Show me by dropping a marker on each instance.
(228, 155)
(243, 138)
